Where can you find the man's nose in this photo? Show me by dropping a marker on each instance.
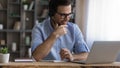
(67, 18)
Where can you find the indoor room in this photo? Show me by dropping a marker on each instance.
(22, 34)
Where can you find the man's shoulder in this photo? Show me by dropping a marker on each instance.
(43, 23)
(39, 25)
(70, 24)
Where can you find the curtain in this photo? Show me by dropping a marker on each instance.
(103, 22)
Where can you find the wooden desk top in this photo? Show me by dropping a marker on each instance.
(56, 65)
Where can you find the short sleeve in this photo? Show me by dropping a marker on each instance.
(80, 44)
(36, 37)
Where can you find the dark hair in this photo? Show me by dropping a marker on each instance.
(53, 5)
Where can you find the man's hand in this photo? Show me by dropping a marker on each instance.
(60, 30)
(65, 54)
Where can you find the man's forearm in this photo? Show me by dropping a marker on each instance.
(43, 49)
(81, 56)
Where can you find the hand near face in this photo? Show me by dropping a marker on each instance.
(60, 30)
(66, 54)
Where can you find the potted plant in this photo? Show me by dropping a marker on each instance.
(25, 4)
(4, 55)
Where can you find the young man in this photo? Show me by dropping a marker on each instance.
(56, 38)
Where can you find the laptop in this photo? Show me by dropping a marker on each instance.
(102, 52)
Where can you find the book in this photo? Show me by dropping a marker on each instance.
(24, 60)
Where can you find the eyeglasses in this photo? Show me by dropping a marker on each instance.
(64, 15)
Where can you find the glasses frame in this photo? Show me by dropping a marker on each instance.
(64, 15)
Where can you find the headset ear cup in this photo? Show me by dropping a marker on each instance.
(51, 13)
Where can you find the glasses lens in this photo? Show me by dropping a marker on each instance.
(63, 15)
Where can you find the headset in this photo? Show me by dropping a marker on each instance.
(52, 7)
(53, 4)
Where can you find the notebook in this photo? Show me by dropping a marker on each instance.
(102, 52)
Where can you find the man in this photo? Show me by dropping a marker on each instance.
(56, 38)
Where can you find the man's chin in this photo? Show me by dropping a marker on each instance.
(62, 24)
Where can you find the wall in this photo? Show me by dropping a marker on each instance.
(81, 16)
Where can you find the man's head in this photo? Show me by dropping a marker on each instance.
(60, 11)
(54, 4)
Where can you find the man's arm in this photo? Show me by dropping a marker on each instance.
(43, 49)
(81, 56)
(66, 54)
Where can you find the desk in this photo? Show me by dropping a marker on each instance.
(56, 65)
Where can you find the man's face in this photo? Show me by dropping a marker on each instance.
(63, 14)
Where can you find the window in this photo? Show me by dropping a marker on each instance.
(103, 20)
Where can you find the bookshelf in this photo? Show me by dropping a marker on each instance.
(15, 26)
(17, 20)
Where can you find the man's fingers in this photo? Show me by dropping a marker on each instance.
(64, 53)
(64, 26)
